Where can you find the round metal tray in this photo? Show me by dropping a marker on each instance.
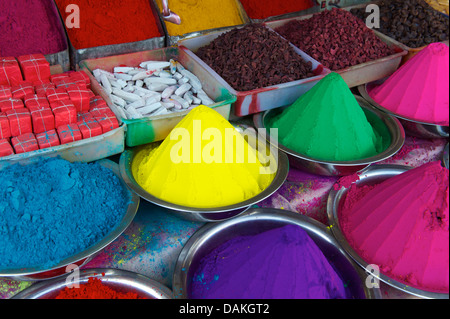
(82, 258)
(370, 176)
(411, 126)
(119, 280)
(216, 213)
(257, 220)
(339, 168)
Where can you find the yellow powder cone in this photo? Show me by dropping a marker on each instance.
(198, 165)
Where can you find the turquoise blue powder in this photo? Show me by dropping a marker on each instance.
(53, 209)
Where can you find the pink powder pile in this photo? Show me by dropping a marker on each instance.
(418, 90)
(29, 27)
(401, 225)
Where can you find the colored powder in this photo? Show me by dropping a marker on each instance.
(30, 27)
(257, 10)
(401, 225)
(335, 38)
(327, 123)
(112, 22)
(281, 263)
(197, 177)
(53, 209)
(199, 15)
(419, 89)
(95, 289)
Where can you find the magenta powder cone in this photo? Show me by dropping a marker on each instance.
(419, 89)
(401, 225)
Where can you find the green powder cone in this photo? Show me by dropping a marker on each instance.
(327, 123)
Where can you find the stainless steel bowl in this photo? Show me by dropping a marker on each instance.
(339, 168)
(255, 221)
(371, 176)
(411, 126)
(120, 280)
(82, 258)
(213, 214)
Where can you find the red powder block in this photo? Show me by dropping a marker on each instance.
(34, 67)
(65, 112)
(11, 104)
(81, 76)
(97, 101)
(22, 90)
(65, 83)
(107, 122)
(25, 143)
(43, 120)
(5, 148)
(89, 127)
(80, 97)
(69, 133)
(42, 88)
(56, 94)
(5, 131)
(10, 73)
(57, 77)
(36, 103)
(5, 92)
(19, 121)
(48, 139)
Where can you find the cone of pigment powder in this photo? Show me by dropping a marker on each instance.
(180, 171)
(328, 124)
(281, 263)
(418, 90)
(401, 225)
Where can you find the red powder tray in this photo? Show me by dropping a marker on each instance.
(365, 72)
(86, 150)
(260, 99)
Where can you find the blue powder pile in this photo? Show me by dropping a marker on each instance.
(53, 209)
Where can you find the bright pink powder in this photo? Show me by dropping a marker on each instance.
(29, 27)
(418, 90)
(401, 225)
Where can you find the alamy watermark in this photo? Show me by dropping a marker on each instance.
(73, 16)
(227, 147)
(373, 273)
(373, 19)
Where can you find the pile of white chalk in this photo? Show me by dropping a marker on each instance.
(154, 88)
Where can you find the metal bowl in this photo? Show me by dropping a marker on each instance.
(256, 221)
(82, 258)
(411, 126)
(371, 176)
(339, 168)
(120, 280)
(213, 214)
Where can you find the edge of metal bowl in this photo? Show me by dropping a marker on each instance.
(184, 260)
(377, 173)
(28, 274)
(282, 162)
(334, 168)
(142, 285)
(413, 127)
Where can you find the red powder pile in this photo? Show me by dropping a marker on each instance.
(257, 9)
(94, 289)
(111, 22)
(335, 38)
